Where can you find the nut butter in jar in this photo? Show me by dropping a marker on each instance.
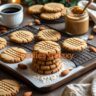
(76, 22)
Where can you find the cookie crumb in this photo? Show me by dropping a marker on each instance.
(42, 28)
(22, 66)
(70, 69)
(29, 93)
(65, 72)
(30, 24)
(91, 37)
(37, 22)
(94, 29)
(3, 29)
(92, 49)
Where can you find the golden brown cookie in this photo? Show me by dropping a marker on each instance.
(49, 34)
(46, 57)
(13, 55)
(3, 43)
(47, 63)
(9, 87)
(63, 12)
(74, 44)
(35, 9)
(45, 70)
(47, 47)
(53, 7)
(50, 71)
(21, 36)
(50, 16)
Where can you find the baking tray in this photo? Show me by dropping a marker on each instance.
(48, 82)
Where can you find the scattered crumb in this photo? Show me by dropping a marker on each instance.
(42, 28)
(3, 29)
(65, 72)
(22, 66)
(91, 37)
(71, 68)
(92, 49)
(37, 22)
(29, 93)
(94, 29)
(30, 24)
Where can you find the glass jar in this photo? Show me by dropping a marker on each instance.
(76, 24)
(15, 1)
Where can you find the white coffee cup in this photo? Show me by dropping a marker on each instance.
(11, 19)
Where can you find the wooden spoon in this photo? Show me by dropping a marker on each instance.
(87, 5)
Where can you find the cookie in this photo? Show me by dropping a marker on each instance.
(53, 7)
(65, 72)
(50, 16)
(9, 87)
(49, 34)
(47, 47)
(47, 70)
(3, 43)
(50, 71)
(13, 55)
(28, 93)
(51, 67)
(21, 36)
(63, 12)
(47, 63)
(44, 57)
(74, 44)
(35, 9)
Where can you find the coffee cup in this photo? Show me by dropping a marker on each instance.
(11, 15)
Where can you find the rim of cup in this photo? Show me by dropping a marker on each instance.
(10, 5)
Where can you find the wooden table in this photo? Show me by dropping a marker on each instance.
(57, 92)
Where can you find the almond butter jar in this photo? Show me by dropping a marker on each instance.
(76, 22)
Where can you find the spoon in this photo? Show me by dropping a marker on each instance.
(87, 5)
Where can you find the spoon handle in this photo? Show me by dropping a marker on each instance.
(87, 5)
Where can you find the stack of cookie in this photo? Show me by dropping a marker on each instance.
(49, 11)
(46, 57)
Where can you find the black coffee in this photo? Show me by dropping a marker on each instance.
(10, 10)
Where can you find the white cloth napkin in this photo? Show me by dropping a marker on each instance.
(86, 89)
(91, 9)
(77, 90)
